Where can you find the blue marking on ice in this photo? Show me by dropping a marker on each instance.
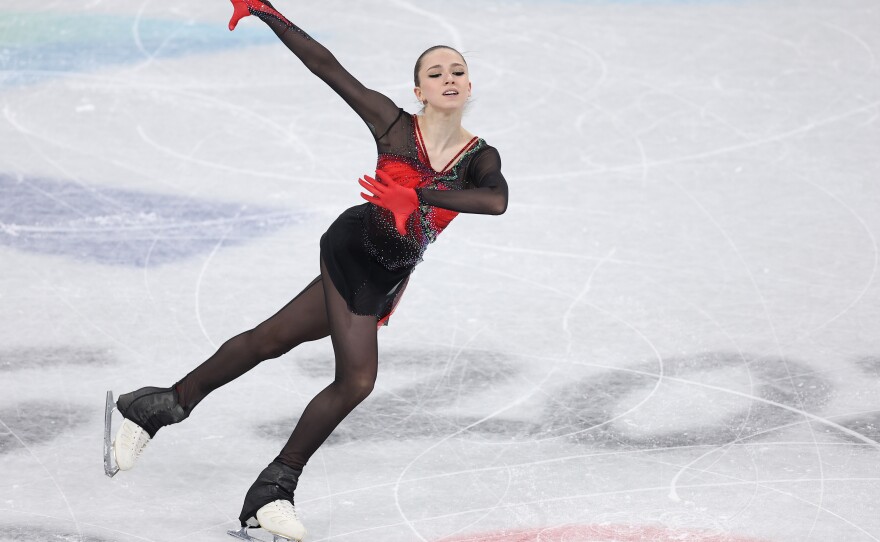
(124, 227)
(38, 46)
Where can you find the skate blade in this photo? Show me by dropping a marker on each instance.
(242, 534)
(110, 468)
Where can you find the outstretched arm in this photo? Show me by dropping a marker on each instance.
(376, 109)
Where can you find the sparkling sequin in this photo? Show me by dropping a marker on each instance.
(381, 237)
(269, 15)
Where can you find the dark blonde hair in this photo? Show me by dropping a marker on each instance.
(422, 56)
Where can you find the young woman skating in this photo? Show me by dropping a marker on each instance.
(429, 169)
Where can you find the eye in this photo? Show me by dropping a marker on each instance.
(458, 73)
(433, 75)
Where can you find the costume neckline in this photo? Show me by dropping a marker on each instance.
(423, 150)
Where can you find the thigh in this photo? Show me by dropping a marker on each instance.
(354, 337)
(303, 319)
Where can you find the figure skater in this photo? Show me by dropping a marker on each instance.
(429, 169)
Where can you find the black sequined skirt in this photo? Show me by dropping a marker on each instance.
(367, 286)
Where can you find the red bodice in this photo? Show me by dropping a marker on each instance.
(426, 223)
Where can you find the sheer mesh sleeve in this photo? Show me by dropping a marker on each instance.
(376, 109)
(488, 195)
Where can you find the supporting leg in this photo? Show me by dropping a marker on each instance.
(356, 350)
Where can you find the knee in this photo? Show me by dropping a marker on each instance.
(357, 388)
(270, 343)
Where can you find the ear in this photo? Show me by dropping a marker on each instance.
(418, 92)
(470, 86)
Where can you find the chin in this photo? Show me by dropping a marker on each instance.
(450, 106)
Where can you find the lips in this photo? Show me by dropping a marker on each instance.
(451, 93)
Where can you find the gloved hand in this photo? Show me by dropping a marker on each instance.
(261, 8)
(386, 193)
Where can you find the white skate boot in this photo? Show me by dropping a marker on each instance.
(130, 441)
(269, 505)
(145, 411)
(279, 518)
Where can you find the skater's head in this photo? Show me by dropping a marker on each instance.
(441, 78)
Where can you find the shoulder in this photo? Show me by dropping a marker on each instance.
(402, 123)
(484, 167)
(486, 154)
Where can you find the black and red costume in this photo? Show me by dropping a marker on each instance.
(368, 260)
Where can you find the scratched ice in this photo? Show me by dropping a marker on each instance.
(671, 335)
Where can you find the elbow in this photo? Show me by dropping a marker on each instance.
(500, 207)
(501, 200)
(320, 62)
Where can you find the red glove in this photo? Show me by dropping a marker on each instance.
(386, 193)
(261, 8)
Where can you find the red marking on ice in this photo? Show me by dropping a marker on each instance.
(601, 533)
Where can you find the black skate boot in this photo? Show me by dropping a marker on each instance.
(152, 408)
(269, 504)
(145, 411)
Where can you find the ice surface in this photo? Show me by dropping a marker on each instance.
(671, 335)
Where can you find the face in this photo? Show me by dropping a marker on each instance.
(443, 80)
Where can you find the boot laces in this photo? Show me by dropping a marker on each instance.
(286, 508)
(134, 439)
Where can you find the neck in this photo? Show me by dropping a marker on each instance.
(442, 128)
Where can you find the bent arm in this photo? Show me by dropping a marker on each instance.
(376, 109)
(489, 195)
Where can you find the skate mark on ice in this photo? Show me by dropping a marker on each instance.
(35, 422)
(434, 384)
(800, 406)
(123, 227)
(869, 281)
(19, 533)
(867, 426)
(715, 388)
(714, 418)
(870, 365)
(484, 364)
(601, 532)
(37, 357)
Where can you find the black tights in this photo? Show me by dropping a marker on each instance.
(316, 312)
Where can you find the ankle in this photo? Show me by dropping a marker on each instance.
(289, 466)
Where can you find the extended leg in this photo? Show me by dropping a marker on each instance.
(149, 409)
(302, 320)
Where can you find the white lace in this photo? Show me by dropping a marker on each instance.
(286, 508)
(129, 444)
(280, 518)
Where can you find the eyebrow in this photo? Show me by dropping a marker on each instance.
(455, 64)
